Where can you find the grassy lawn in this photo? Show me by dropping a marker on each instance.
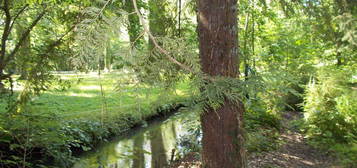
(82, 97)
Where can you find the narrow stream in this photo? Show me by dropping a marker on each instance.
(147, 147)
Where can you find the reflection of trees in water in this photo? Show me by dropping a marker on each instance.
(124, 153)
(159, 140)
(102, 159)
(114, 165)
(138, 152)
(173, 128)
(171, 144)
(107, 159)
(169, 133)
(158, 152)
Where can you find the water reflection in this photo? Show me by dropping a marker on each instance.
(149, 147)
(138, 153)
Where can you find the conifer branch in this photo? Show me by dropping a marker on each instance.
(152, 38)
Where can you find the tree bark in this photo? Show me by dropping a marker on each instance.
(6, 33)
(4, 38)
(222, 129)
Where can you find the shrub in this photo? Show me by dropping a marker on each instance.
(346, 154)
(262, 128)
(331, 106)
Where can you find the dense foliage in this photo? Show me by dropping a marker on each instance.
(296, 55)
(330, 110)
(330, 106)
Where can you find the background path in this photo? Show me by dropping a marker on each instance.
(294, 153)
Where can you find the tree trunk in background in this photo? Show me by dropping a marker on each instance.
(222, 130)
(24, 54)
(107, 59)
(157, 27)
(157, 20)
(134, 27)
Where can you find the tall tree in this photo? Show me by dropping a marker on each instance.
(10, 17)
(157, 20)
(218, 44)
(14, 14)
(134, 28)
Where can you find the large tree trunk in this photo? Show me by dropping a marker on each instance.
(222, 129)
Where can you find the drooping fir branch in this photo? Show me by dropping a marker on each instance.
(102, 9)
(162, 50)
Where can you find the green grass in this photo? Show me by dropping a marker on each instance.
(81, 97)
(84, 97)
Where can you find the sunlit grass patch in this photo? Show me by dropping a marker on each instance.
(90, 96)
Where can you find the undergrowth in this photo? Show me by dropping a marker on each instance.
(331, 112)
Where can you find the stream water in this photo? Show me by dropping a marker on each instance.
(146, 147)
